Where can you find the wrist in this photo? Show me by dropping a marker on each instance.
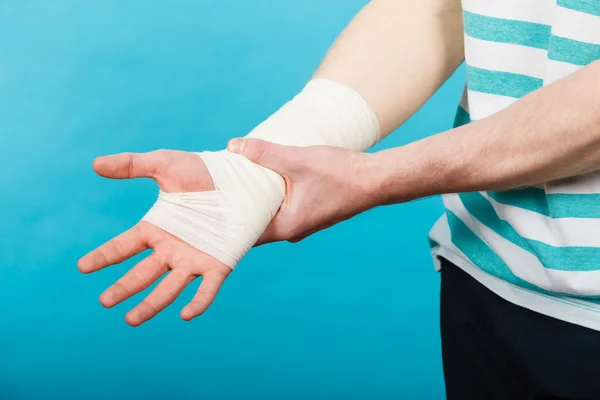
(419, 169)
(385, 178)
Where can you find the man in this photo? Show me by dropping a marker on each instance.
(519, 244)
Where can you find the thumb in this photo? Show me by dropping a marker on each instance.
(129, 165)
(269, 155)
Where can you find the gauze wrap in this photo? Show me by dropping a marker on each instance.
(226, 222)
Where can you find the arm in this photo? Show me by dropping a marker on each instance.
(393, 56)
(550, 134)
(396, 54)
(213, 208)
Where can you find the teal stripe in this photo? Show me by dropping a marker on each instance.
(461, 118)
(480, 254)
(571, 258)
(584, 6)
(501, 83)
(483, 257)
(572, 51)
(506, 31)
(574, 205)
(529, 198)
(554, 205)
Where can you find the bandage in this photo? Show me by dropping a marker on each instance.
(226, 222)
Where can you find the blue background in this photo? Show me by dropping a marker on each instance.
(348, 313)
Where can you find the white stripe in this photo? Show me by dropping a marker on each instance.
(524, 264)
(538, 11)
(558, 232)
(576, 25)
(582, 184)
(556, 70)
(464, 100)
(584, 303)
(505, 57)
(482, 105)
(543, 304)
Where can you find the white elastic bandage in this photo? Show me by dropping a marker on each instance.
(225, 223)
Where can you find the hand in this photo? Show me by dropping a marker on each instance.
(324, 185)
(174, 171)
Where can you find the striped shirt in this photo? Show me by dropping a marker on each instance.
(538, 247)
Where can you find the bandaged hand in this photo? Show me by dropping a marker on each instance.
(214, 206)
(174, 172)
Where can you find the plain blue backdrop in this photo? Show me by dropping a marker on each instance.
(348, 313)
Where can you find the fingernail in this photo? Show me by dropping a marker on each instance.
(236, 145)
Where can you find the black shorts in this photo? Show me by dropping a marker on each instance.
(494, 349)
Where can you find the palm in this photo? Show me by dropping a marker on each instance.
(174, 171)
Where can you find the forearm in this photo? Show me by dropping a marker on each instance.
(550, 134)
(382, 55)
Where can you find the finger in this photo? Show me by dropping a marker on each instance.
(204, 297)
(144, 274)
(281, 159)
(116, 250)
(130, 165)
(163, 295)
